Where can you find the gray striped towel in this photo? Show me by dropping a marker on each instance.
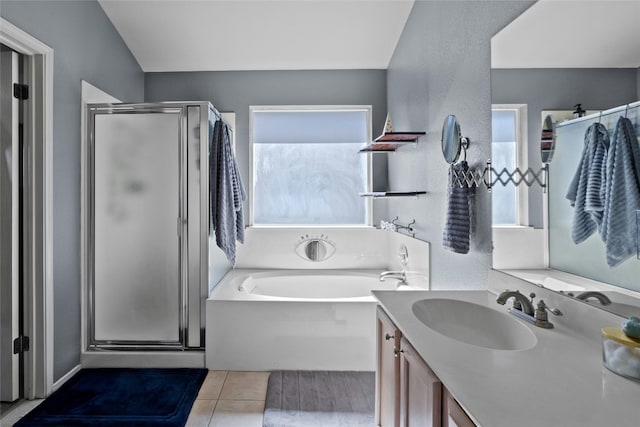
(622, 194)
(226, 191)
(587, 190)
(457, 227)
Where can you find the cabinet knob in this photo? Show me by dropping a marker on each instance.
(397, 351)
(387, 337)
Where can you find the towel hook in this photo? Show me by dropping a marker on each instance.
(626, 110)
(600, 118)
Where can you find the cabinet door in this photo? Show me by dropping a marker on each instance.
(420, 390)
(387, 372)
(454, 415)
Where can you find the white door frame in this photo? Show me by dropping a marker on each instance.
(38, 139)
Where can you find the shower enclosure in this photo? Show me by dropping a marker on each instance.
(146, 236)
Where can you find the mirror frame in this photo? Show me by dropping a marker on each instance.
(450, 141)
(547, 140)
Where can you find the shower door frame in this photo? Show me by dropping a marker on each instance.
(193, 245)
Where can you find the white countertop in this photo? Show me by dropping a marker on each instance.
(560, 382)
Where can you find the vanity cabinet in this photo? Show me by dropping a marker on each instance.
(387, 372)
(452, 414)
(408, 393)
(420, 390)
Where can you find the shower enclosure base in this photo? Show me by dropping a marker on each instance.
(142, 359)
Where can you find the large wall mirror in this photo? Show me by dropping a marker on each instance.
(535, 73)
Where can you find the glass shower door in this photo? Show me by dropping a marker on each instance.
(137, 286)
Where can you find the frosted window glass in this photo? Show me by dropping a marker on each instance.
(307, 169)
(504, 199)
(503, 125)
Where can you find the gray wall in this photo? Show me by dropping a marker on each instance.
(559, 89)
(237, 90)
(86, 46)
(441, 66)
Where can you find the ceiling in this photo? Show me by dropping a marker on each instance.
(220, 35)
(571, 34)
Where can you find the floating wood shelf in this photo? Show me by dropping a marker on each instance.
(390, 141)
(382, 194)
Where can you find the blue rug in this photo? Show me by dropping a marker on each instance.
(120, 397)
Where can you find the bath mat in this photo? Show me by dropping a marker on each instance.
(320, 398)
(120, 397)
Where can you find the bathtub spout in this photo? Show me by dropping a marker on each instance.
(398, 275)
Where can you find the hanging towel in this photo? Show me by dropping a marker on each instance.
(226, 191)
(622, 194)
(586, 191)
(457, 228)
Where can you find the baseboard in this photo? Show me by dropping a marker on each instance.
(66, 377)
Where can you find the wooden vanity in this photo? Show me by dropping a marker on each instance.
(408, 393)
(430, 376)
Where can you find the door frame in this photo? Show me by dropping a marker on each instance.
(38, 283)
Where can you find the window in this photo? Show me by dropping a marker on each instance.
(510, 202)
(306, 169)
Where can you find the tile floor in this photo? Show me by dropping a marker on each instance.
(226, 399)
(230, 399)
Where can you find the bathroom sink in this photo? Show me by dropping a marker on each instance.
(474, 324)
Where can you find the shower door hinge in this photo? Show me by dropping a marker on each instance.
(179, 227)
(20, 345)
(20, 91)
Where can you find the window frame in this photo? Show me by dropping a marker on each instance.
(311, 108)
(522, 161)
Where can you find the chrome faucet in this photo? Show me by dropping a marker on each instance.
(403, 254)
(602, 298)
(520, 303)
(541, 318)
(523, 308)
(398, 275)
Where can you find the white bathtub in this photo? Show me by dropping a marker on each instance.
(293, 319)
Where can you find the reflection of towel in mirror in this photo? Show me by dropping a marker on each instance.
(226, 191)
(457, 227)
(586, 191)
(622, 194)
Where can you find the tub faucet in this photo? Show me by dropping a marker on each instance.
(602, 298)
(520, 302)
(398, 275)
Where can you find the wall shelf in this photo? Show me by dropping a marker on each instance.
(390, 141)
(387, 194)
